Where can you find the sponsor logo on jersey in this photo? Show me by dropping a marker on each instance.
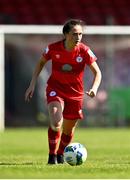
(52, 93)
(66, 67)
(79, 59)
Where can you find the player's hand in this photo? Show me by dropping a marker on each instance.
(29, 93)
(91, 93)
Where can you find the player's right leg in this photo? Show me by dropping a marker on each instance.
(55, 109)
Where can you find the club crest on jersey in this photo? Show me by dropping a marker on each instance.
(79, 59)
(52, 93)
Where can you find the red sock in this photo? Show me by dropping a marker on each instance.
(65, 140)
(53, 137)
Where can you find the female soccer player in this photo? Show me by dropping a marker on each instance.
(65, 86)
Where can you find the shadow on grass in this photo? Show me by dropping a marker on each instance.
(16, 163)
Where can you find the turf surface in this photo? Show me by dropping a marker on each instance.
(23, 154)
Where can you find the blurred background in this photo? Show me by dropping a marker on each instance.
(111, 106)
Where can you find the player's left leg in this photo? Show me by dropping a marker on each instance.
(72, 112)
(66, 137)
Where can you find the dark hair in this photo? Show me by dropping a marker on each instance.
(70, 24)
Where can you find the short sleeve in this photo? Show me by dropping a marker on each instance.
(47, 53)
(90, 57)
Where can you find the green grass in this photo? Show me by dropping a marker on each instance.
(24, 153)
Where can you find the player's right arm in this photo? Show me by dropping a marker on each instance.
(30, 90)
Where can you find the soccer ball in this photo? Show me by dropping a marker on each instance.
(75, 154)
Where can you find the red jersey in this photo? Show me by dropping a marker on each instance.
(68, 68)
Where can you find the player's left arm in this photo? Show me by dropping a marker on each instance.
(96, 81)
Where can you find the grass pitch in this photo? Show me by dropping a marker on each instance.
(24, 153)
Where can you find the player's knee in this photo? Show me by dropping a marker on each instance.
(56, 126)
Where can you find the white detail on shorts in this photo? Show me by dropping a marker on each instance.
(80, 111)
(52, 93)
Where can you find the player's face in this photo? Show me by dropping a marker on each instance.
(75, 35)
